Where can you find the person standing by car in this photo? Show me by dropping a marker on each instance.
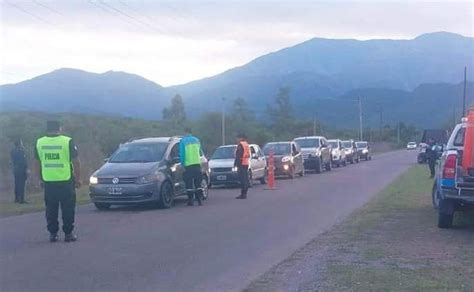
(20, 170)
(59, 170)
(190, 157)
(431, 156)
(242, 160)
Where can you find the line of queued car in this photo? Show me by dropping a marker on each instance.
(148, 170)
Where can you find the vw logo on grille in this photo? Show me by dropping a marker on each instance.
(115, 180)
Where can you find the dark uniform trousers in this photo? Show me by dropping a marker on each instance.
(192, 178)
(243, 172)
(62, 195)
(20, 181)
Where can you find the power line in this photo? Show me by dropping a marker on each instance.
(47, 7)
(27, 12)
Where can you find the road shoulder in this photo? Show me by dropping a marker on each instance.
(390, 243)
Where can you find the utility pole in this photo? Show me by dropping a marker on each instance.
(314, 126)
(398, 134)
(381, 121)
(361, 136)
(464, 95)
(223, 121)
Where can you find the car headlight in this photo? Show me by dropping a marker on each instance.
(286, 167)
(146, 179)
(235, 169)
(286, 159)
(365, 151)
(93, 180)
(318, 152)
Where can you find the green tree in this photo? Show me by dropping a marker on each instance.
(281, 114)
(175, 115)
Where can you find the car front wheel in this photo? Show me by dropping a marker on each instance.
(205, 188)
(435, 196)
(166, 196)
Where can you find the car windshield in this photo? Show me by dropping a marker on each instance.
(308, 143)
(412, 143)
(277, 148)
(347, 144)
(333, 144)
(361, 144)
(227, 152)
(139, 153)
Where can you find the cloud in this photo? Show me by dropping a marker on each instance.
(176, 42)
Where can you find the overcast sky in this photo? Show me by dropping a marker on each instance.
(179, 41)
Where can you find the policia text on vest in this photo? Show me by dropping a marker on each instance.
(59, 169)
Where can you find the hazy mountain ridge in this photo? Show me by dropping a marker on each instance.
(320, 73)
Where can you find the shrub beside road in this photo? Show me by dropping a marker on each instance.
(391, 243)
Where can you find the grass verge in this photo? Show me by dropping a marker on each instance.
(36, 203)
(390, 244)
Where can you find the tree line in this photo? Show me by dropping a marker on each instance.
(99, 136)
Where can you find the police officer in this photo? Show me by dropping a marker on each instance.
(431, 155)
(190, 157)
(20, 170)
(59, 169)
(242, 159)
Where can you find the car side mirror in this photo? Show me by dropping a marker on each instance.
(254, 156)
(106, 160)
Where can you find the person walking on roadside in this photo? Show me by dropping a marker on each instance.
(242, 159)
(20, 170)
(190, 157)
(59, 169)
(431, 155)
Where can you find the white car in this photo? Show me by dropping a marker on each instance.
(338, 153)
(223, 172)
(411, 146)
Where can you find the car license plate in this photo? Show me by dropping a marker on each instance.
(114, 191)
(221, 177)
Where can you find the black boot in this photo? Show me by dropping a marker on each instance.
(53, 237)
(70, 237)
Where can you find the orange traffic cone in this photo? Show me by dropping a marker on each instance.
(271, 172)
(468, 152)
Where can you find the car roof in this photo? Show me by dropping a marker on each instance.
(154, 140)
(334, 140)
(230, 145)
(310, 137)
(281, 142)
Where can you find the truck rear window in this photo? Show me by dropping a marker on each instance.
(459, 139)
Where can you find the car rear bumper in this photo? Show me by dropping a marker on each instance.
(130, 194)
(312, 162)
(464, 195)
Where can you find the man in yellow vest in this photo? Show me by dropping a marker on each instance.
(242, 160)
(59, 170)
(190, 157)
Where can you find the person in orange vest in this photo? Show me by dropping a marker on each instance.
(242, 160)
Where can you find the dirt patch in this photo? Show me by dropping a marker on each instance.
(392, 243)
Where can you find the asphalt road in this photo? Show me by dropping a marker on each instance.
(221, 246)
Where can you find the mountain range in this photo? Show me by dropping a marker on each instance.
(416, 81)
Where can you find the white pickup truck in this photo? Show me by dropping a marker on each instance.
(452, 190)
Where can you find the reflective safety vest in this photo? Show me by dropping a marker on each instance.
(55, 159)
(190, 151)
(246, 155)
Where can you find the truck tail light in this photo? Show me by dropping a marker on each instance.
(449, 168)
